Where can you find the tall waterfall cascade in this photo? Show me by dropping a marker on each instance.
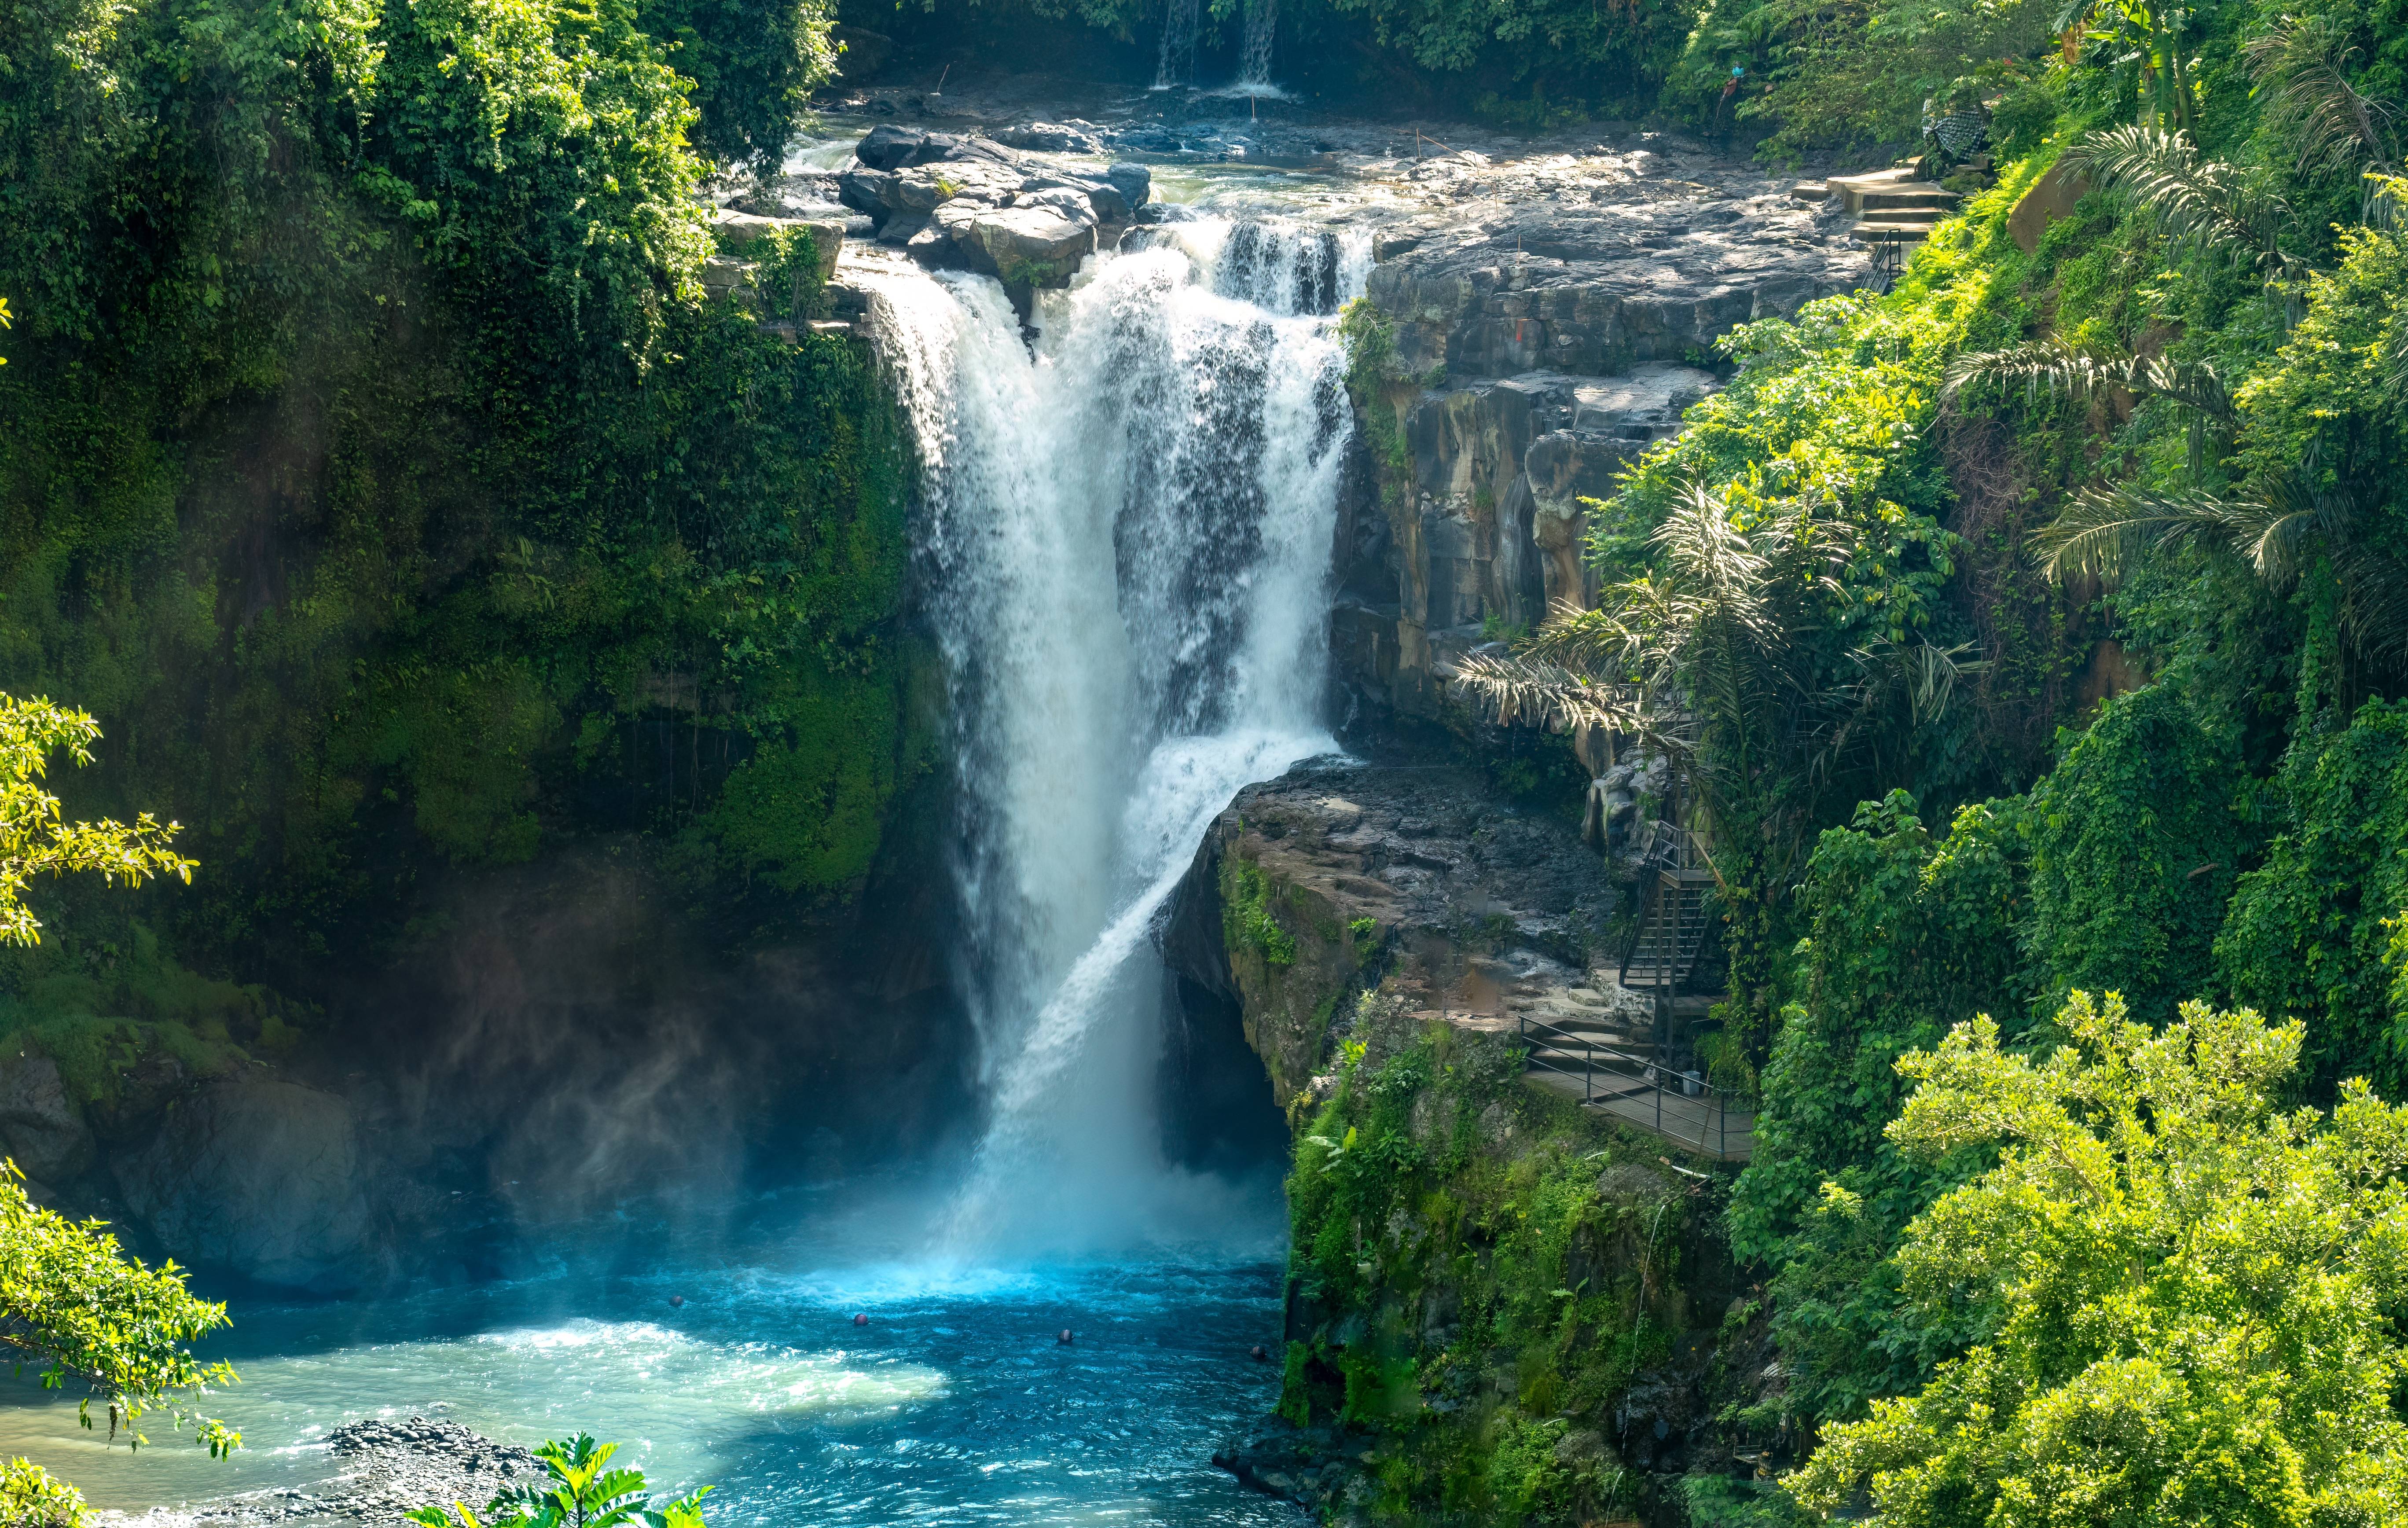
(1128, 532)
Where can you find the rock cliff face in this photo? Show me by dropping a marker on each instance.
(1334, 879)
(1551, 319)
(1494, 1294)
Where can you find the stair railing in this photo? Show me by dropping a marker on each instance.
(1604, 1060)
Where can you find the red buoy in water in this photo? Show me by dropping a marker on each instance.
(860, 1320)
(1065, 1337)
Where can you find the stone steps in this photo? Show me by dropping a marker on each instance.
(1893, 209)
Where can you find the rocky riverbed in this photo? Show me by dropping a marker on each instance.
(383, 1469)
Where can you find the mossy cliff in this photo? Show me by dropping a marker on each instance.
(397, 496)
(420, 528)
(1501, 1307)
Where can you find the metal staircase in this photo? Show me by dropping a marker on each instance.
(1662, 954)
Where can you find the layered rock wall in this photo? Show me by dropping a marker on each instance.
(1545, 332)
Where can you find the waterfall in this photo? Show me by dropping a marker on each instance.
(1125, 535)
(1178, 63)
(1255, 61)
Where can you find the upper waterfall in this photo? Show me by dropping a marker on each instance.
(1126, 530)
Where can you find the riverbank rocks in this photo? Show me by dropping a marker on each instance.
(970, 203)
(257, 1176)
(1315, 1467)
(385, 1467)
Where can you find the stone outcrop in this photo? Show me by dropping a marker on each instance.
(255, 1175)
(737, 270)
(40, 1127)
(1338, 877)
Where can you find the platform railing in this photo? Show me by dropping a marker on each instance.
(1601, 1059)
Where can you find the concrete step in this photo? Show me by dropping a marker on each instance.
(1891, 233)
(1858, 192)
(1926, 215)
(1917, 197)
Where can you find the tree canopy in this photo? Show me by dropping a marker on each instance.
(2192, 1290)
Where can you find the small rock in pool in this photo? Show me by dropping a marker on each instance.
(859, 1320)
(1259, 1355)
(1065, 1337)
(676, 1300)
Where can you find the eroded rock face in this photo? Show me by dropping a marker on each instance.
(1554, 320)
(259, 1176)
(1338, 877)
(40, 1127)
(1597, 290)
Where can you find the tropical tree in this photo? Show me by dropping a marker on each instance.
(2189, 1291)
(70, 1303)
(86, 1315)
(580, 1491)
(1709, 656)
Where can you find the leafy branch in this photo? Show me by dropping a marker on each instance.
(34, 840)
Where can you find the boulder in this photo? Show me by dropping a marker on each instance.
(258, 1175)
(866, 191)
(887, 147)
(1135, 182)
(41, 1129)
(1049, 138)
(1033, 246)
(860, 54)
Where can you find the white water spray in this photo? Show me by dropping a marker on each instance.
(1255, 58)
(1128, 536)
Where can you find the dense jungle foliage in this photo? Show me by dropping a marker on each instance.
(2033, 637)
(377, 469)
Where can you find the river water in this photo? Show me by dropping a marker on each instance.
(956, 1405)
(1125, 518)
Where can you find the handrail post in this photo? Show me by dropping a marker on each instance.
(1588, 1071)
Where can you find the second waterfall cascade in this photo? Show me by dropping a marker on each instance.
(1128, 534)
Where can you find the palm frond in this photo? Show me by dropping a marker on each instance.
(1521, 689)
(2104, 528)
(2191, 385)
(2300, 67)
(2374, 604)
(1591, 641)
(2200, 201)
(2042, 367)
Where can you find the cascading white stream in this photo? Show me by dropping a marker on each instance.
(1254, 56)
(1127, 536)
(1178, 63)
